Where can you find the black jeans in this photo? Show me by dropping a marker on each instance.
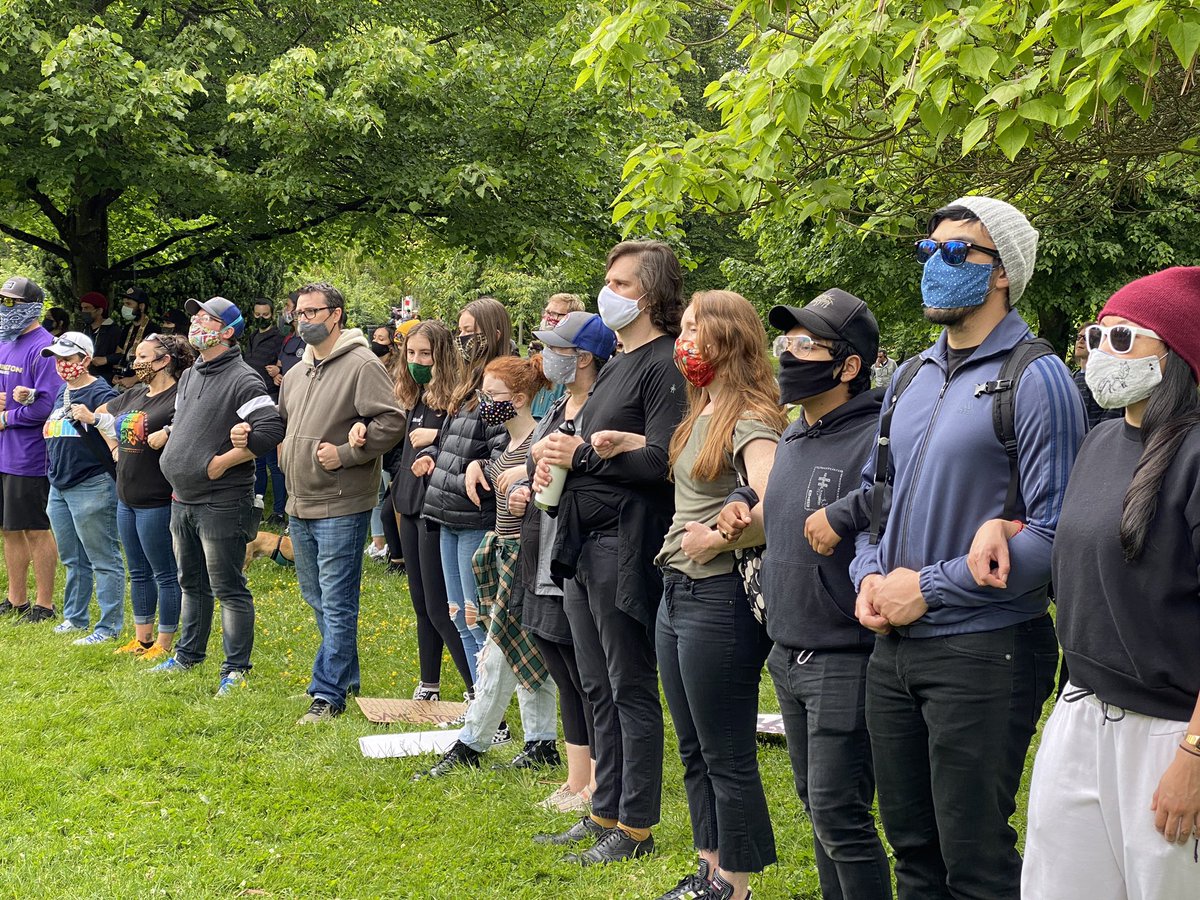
(950, 720)
(210, 547)
(421, 546)
(822, 698)
(576, 711)
(616, 660)
(711, 651)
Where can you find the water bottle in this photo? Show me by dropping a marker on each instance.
(548, 497)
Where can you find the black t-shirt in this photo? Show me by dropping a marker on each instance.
(140, 481)
(106, 338)
(408, 491)
(955, 358)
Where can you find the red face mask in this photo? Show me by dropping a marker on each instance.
(69, 370)
(695, 369)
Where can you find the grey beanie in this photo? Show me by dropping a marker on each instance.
(1016, 240)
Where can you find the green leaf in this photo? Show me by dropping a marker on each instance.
(1012, 140)
(974, 133)
(1038, 111)
(903, 109)
(1184, 38)
(1140, 18)
(1118, 7)
(977, 62)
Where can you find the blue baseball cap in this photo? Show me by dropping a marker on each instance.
(219, 308)
(581, 331)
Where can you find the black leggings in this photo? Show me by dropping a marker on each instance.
(391, 530)
(573, 705)
(435, 629)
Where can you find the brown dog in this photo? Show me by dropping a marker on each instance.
(268, 543)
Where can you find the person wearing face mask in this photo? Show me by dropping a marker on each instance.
(819, 661)
(558, 307)
(424, 387)
(333, 482)
(83, 499)
(1079, 355)
(135, 318)
(385, 541)
(28, 385)
(614, 512)
(1114, 804)
(57, 320)
(508, 660)
(104, 334)
(457, 496)
(262, 354)
(140, 420)
(213, 514)
(959, 673)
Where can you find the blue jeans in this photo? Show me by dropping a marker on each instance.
(329, 570)
(381, 509)
(269, 463)
(210, 547)
(823, 701)
(153, 576)
(84, 519)
(458, 546)
(493, 689)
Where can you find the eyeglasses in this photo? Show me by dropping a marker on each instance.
(485, 397)
(799, 345)
(309, 314)
(1120, 337)
(954, 252)
(63, 342)
(200, 318)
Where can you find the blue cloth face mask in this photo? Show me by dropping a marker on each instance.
(16, 318)
(944, 286)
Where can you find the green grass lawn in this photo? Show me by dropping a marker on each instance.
(117, 784)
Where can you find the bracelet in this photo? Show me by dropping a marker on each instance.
(1020, 526)
(1190, 749)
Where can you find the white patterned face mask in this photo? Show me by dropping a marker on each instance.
(1118, 381)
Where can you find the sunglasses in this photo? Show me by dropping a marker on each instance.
(799, 346)
(13, 301)
(1120, 337)
(63, 342)
(954, 252)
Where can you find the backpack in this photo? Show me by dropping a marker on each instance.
(1004, 393)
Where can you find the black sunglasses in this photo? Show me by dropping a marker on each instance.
(954, 252)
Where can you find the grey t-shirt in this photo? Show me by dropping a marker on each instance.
(702, 501)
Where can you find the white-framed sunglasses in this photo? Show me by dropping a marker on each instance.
(1120, 337)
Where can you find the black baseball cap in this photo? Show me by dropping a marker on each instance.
(136, 294)
(20, 288)
(836, 316)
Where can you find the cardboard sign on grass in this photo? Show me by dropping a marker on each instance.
(410, 712)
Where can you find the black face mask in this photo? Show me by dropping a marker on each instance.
(799, 380)
(262, 323)
(380, 349)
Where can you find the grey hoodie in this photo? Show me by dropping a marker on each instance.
(214, 396)
(320, 401)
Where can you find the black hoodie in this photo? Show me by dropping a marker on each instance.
(809, 597)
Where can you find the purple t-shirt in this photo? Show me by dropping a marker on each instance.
(22, 448)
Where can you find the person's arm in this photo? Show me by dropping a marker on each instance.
(1050, 426)
(376, 404)
(664, 400)
(45, 384)
(866, 558)
(106, 345)
(258, 410)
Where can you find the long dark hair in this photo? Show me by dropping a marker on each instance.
(495, 331)
(1173, 411)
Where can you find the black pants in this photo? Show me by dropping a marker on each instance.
(711, 651)
(419, 540)
(620, 677)
(573, 706)
(822, 698)
(950, 720)
(391, 530)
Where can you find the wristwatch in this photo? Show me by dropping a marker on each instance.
(1193, 741)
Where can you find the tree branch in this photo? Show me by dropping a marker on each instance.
(164, 244)
(41, 243)
(56, 216)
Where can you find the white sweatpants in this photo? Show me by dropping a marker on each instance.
(1091, 831)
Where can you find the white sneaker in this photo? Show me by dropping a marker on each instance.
(66, 627)
(96, 637)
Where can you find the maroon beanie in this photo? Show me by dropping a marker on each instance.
(96, 299)
(1168, 303)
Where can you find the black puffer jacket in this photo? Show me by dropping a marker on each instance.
(463, 439)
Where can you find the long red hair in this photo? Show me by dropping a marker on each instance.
(731, 338)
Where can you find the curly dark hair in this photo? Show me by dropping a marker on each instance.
(177, 349)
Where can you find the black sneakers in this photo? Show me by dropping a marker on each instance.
(537, 755)
(502, 736)
(614, 845)
(7, 607)
(33, 614)
(319, 711)
(720, 889)
(692, 886)
(585, 829)
(459, 756)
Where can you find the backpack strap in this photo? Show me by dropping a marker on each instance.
(904, 377)
(1004, 401)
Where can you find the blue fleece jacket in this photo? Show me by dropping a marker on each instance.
(951, 474)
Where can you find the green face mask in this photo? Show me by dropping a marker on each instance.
(420, 374)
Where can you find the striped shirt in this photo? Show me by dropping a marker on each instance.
(507, 525)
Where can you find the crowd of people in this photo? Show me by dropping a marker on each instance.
(630, 508)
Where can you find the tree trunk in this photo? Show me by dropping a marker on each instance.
(87, 239)
(1055, 326)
